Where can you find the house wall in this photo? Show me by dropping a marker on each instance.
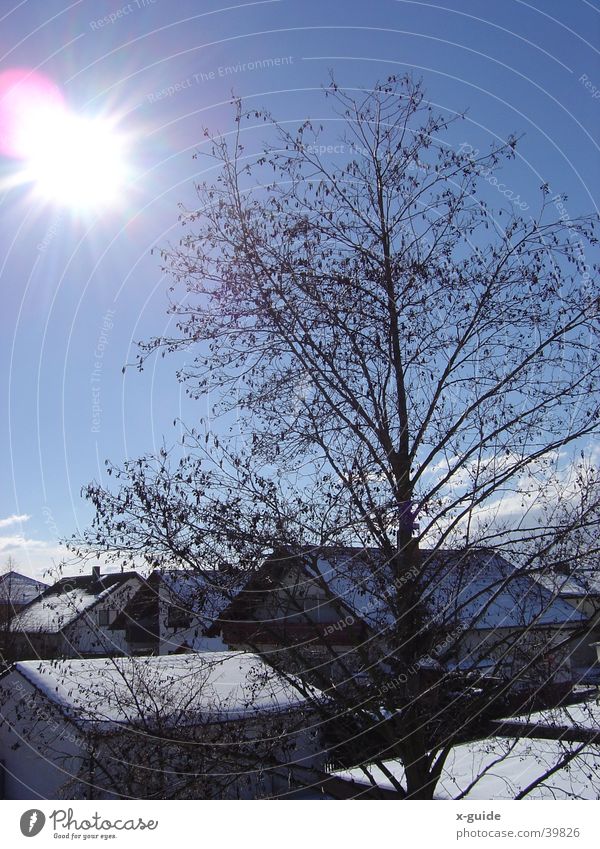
(171, 639)
(305, 594)
(85, 636)
(512, 648)
(29, 646)
(583, 652)
(197, 770)
(588, 605)
(39, 750)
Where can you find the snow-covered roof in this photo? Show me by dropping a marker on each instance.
(179, 689)
(65, 601)
(484, 591)
(207, 593)
(478, 590)
(19, 589)
(576, 586)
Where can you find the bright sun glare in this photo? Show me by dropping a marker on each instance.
(76, 161)
(68, 159)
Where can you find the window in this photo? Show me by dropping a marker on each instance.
(103, 616)
(315, 609)
(177, 617)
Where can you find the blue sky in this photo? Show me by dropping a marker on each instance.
(77, 290)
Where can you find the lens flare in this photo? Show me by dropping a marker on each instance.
(26, 98)
(68, 159)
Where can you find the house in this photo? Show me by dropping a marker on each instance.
(202, 725)
(72, 618)
(477, 613)
(581, 591)
(172, 610)
(16, 591)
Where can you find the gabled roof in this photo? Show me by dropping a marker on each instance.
(179, 689)
(476, 589)
(582, 585)
(206, 593)
(203, 594)
(141, 611)
(67, 600)
(483, 590)
(19, 589)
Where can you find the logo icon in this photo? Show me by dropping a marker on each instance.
(32, 822)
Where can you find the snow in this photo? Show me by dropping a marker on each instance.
(206, 593)
(19, 589)
(585, 715)
(480, 592)
(51, 613)
(174, 689)
(579, 586)
(502, 767)
(493, 599)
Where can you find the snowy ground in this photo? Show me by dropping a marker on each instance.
(501, 768)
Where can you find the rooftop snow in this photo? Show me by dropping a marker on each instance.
(180, 689)
(481, 591)
(64, 602)
(578, 586)
(19, 589)
(206, 593)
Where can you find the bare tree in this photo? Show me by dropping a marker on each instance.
(7, 610)
(391, 365)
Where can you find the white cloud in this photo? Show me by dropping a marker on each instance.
(9, 543)
(14, 519)
(33, 557)
(519, 503)
(47, 560)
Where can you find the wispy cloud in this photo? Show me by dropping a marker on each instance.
(11, 542)
(14, 519)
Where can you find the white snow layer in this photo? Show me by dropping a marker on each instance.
(174, 689)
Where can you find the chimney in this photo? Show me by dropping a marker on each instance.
(96, 573)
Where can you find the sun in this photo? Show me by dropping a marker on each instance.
(77, 162)
(68, 159)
